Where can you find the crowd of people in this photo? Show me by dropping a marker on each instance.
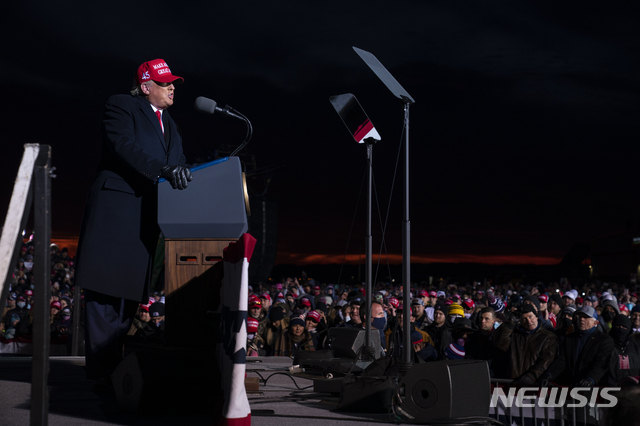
(533, 334)
(17, 316)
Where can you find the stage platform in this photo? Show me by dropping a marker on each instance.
(73, 401)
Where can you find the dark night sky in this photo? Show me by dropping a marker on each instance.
(524, 134)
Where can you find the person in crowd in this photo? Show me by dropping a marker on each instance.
(635, 319)
(569, 298)
(440, 329)
(609, 311)
(316, 325)
(375, 315)
(424, 352)
(305, 304)
(265, 299)
(584, 355)
(54, 308)
(271, 328)
(460, 331)
(545, 312)
(420, 314)
(22, 311)
(625, 359)
(394, 335)
(532, 348)
(355, 320)
(156, 314)
(11, 304)
(141, 325)
(455, 311)
(61, 326)
(293, 339)
(255, 308)
(481, 345)
(255, 344)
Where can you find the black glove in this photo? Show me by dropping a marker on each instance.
(585, 383)
(524, 380)
(544, 380)
(178, 176)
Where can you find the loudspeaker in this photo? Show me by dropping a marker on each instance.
(445, 390)
(346, 341)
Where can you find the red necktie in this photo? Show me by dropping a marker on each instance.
(159, 115)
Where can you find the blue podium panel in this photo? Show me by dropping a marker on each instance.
(212, 206)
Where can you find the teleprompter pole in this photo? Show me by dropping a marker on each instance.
(407, 359)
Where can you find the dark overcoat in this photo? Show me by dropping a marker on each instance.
(120, 229)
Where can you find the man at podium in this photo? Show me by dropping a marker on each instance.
(140, 144)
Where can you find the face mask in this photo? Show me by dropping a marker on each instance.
(250, 336)
(159, 323)
(21, 304)
(379, 323)
(620, 336)
(608, 316)
(347, 318)
(66, 317)
(496, 324)
(467, 315)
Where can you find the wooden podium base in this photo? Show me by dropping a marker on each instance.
(188, 259)
(193, 279)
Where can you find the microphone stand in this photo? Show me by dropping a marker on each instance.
(368, 349)
(247, 138)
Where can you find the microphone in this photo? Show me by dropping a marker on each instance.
(209, 106)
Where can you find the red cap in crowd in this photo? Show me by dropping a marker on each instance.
(254, 301)
(28, 293)
(56, 304)
(623, 307)
(423, 293)
(265, 296)
(543, 298)
(470, 304)
(305, 302)
(252, 325)
(144, 308)
(433, 294)
(314, 316)
(394, 302)
(157, 70)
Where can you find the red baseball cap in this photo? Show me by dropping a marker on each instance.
(144, 307)
(254, 301)
(265, 296)
(423, 293)
(433, 294)
(305, 302)
(313, 315)
(394, 302)
(543, 298)
(156, 70)
(252, 325)
(56, 304)
(469, 303)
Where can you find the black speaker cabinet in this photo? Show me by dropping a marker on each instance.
(346, 341)
(445, 390)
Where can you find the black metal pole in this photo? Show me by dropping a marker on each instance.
(369, 245)
(407, 358)
(42, 275)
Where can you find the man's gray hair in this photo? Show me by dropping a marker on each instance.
(136, 90)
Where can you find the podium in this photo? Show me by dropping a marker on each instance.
(201, 220)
